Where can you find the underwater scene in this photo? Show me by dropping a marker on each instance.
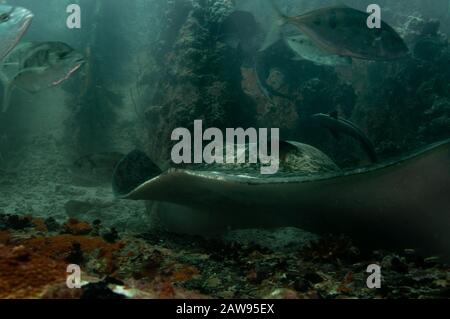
(224, 149)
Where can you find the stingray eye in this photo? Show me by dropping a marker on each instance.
(4, 17)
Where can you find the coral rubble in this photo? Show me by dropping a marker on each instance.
(33, 264)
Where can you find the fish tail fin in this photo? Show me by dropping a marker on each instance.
(277, 9)
(274, 34)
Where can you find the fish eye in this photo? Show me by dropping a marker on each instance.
(4, 17)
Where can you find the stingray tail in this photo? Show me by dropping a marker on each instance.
(337, 126)
(368, 147)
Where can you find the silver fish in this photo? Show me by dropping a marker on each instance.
(342, 30)
(14, 22)
(306, 49)
(34, 67)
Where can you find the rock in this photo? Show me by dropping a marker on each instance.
(51, 224)
(394, 263)
(432, 261)
(75, 227)
(307, 160)
(282, 293)
(200, 77)
(282, 239)
(75, 255)
(76, 207)
(111, 236)
(15, 222)
(99, 291)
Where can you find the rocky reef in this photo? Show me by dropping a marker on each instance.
(35, 253)
(406, 104)
(208, 70)
(199, 76)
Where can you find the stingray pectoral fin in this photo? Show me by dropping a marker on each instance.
(131, 171)
(404, 203)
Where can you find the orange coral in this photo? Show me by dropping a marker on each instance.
(60, 291)
(164, 290)
(76, 227)
(345, 286)
(59, 247)
(184, 274)
(28, 270)
(25, 274)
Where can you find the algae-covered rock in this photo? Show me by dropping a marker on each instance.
(200, 77)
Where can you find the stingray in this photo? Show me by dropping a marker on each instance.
(402, 203)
